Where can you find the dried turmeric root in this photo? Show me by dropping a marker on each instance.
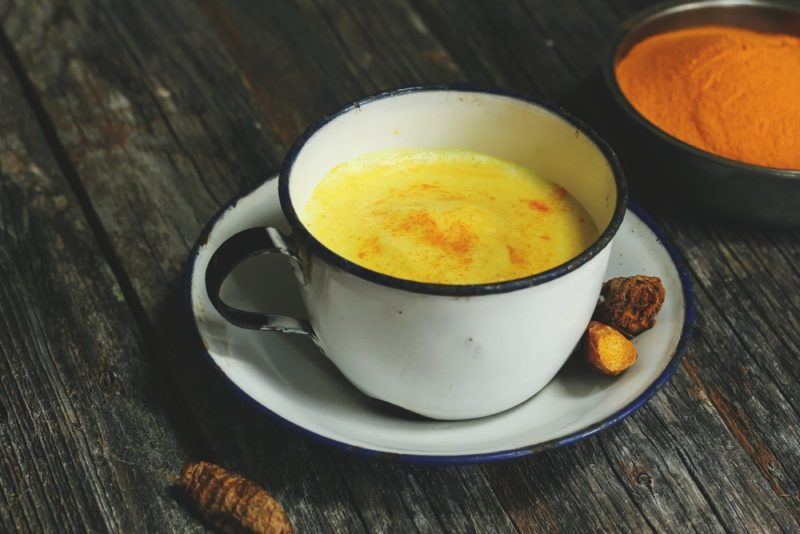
(630, 304)
(607, 350)
(231, 503)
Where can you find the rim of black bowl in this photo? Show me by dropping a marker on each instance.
(665, 9)
(458, 290)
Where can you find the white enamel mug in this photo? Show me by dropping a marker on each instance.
(443, 351)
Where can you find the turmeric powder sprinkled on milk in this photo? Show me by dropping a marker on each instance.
(725, 90)
(446, 216)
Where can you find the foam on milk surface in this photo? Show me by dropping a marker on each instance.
(446, 216)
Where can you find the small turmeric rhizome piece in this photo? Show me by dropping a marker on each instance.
(231, 503)
(607, 350)
(630, 304)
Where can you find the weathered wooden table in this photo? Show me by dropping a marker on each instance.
(125, 125)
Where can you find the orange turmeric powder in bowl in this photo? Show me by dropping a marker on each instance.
(730, 91)
(709, 95)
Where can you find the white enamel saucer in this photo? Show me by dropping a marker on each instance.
(294, 383)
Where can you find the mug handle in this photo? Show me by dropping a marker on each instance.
(237, 248)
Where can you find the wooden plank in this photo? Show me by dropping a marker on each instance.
(134, 93)
(149, 135)
(750, 364)
(303, 59)
(771, 385)
(457, 29)
(158, 188)
(749, 293)
(448, 492)
(534, 47)
(138, 107)
(90, 437)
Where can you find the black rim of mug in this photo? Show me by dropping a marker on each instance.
(336, 260)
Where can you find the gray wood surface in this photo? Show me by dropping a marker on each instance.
(86, 424)
(125, 126)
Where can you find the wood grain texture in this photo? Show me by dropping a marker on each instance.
(164, 111)
(89, 433)
(141, 116)
(733, 327)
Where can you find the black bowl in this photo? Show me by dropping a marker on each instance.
(754, 193)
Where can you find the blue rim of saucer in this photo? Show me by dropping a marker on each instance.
(460, 459)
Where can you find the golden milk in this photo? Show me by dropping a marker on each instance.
(446, 216)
